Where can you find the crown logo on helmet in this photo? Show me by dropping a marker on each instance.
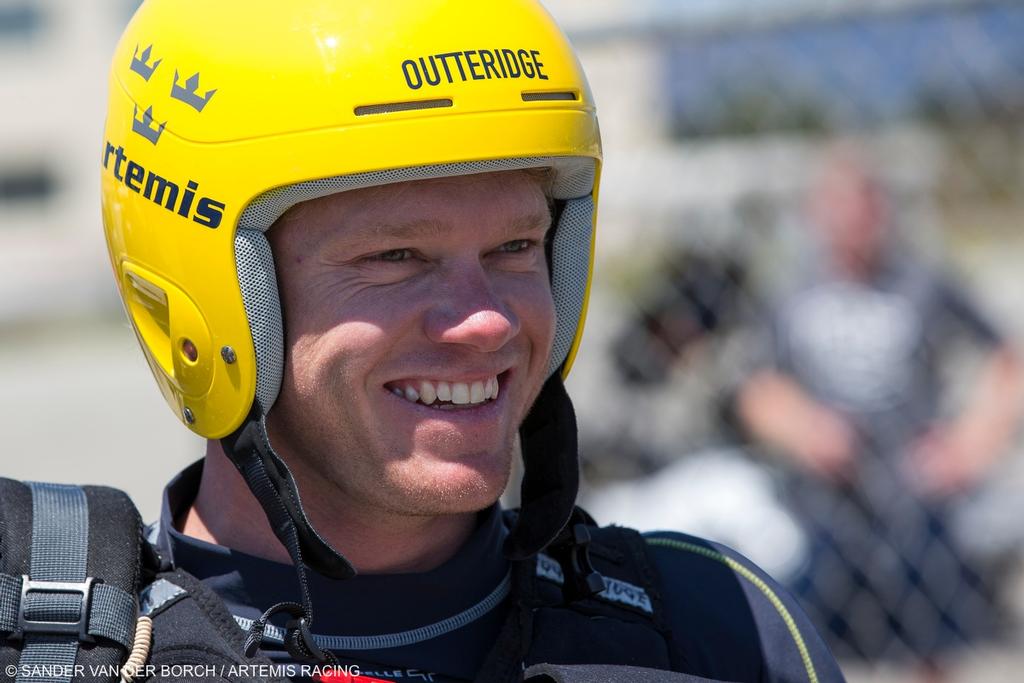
(139, 63)
(189, 94)
(144, 126)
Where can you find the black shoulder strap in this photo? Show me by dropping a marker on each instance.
(69, 573)
(623, 625)
(194, 631)
(71, 559)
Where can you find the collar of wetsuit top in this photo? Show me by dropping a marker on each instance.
(384, 602)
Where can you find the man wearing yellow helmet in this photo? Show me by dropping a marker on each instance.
(354, 241)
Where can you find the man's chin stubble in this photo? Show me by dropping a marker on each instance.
(440, 498)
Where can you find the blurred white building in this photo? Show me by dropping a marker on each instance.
(53, 59)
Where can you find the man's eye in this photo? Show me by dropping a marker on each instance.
(516, 246)
(393, 255)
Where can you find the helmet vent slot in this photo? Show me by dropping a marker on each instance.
(563, 96)
(392, 107)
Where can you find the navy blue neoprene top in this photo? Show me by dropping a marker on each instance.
(731, 621)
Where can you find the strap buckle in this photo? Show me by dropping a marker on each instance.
(572, 551)
(80, 627)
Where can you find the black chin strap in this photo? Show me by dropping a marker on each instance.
(551, 476)
(271, 482)
(548, 517)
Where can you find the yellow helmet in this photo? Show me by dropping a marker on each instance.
(223, 114)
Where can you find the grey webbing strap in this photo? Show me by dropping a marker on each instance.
(10, 602)
(60, 546)
(112, 614)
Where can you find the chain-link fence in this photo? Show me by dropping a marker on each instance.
(803, 338)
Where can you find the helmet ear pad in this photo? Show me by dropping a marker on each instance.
(258, 281)
(570, 263)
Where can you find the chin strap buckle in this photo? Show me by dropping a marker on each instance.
(572, 550)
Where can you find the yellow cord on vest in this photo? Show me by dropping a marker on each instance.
(740, 569)
(140, 650)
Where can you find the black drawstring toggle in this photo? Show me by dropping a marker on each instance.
(301, 645)
(254, 639)
(572, 550)
(298, 639)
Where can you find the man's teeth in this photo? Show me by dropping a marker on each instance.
(428, 392)
(459, 393)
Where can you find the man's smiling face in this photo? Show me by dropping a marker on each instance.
(419, 322)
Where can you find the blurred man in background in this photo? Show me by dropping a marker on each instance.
(847, 391)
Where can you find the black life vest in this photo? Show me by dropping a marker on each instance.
(76, 574)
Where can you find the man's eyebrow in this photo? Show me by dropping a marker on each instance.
(528, 222)
(425, 227)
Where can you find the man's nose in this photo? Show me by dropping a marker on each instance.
(468, 310)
